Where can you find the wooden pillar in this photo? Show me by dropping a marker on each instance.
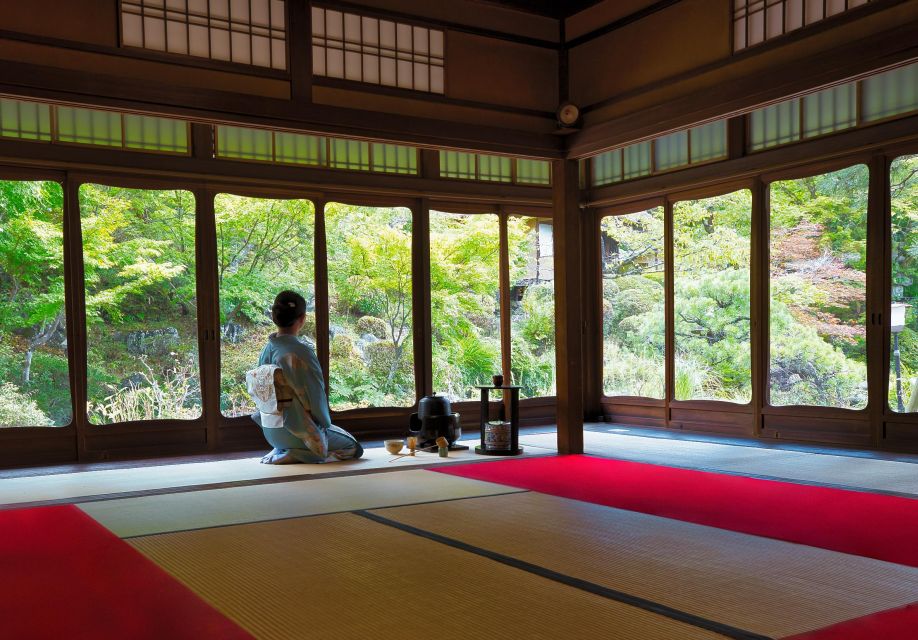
(299, 64)
(592, 319)
(569, 328)
(669, 340)
(879, 297)
(760, 301)
(75, 304)
(505, 326)
(420, 298)
(208, 297)
(321, 275)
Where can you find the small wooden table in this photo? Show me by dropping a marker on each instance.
(515, 448)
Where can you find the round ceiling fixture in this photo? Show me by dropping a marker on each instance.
(568, 114)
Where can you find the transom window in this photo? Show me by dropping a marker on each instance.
(384, 52)
(244, 31)
(755, 21)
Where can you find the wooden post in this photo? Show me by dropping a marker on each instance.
(420, 298)
(321, 284)
(208, 297)
(669, 339)
(568, 225)
(879, 297)
(760, 301)
(592, 320)
(505, 328)
(75, 301)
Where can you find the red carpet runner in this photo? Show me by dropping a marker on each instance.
(66, 576)
(864, 524)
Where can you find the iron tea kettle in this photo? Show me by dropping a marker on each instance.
(433, 420)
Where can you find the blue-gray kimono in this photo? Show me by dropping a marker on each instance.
(302, 439)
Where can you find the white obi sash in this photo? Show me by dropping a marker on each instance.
(265, 384)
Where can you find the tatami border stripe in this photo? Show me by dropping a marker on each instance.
(577, 583)
(159, 491)
(324, 513)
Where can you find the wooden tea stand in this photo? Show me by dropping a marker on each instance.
(515, 448)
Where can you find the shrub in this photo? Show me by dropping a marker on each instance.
(19, 410)
(376, 327)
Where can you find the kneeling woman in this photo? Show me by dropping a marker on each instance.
(307, 434)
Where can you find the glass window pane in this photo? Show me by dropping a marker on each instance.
(456, 164)
(494, 168)
(141, 310)
(633, 303)
(891, 93)
(818, 260)
(25, 120)
(393, 158)
(465, 302)
(711, 270)
(636, 160)
(263, 247)
(349, 154)
(533, 171)
(709, 141)
(774, 125)
(671, 151)
(295, 148)
(89, 126)
(903, 368)
(155, 134)
(35, 383)
(244, 143)
(369, 283)
(830, 110)
(607, 168)
(532, 305)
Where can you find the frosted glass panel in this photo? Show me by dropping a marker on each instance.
(891, 93)
(25, 120)
(155, 134)
(671, 151)
(89, 126)
(533, 171)
(774, 125)
(295, 148)
(636, 160)
(607, 168)
(830, 110)
(393, 158)
(494, 168)
(248, 144)
(349, 154)
(456, 164)
(709, 142)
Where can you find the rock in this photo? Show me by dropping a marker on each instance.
(232, 332)
(133, 381)
(155, 342)
(335, 330)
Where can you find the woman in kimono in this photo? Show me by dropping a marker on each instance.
(307, 434)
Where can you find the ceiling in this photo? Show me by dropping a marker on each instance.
(558, 9)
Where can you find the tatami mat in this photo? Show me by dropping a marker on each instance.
(88, 484)
(858, 473)
(343, 576)
(766, 586)
(146, 515)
